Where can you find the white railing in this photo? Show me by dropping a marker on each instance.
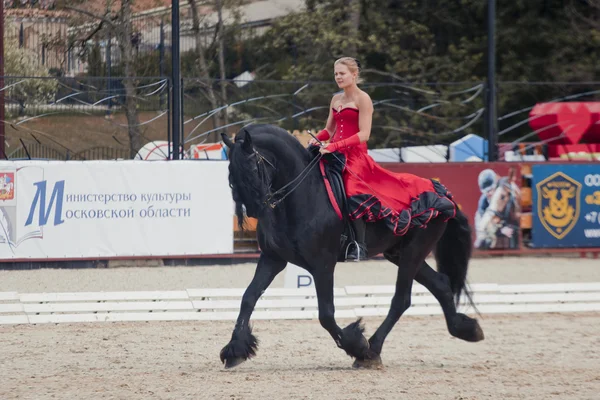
(281, 303)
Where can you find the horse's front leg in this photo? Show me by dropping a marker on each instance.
(351, 338)
(243, 343)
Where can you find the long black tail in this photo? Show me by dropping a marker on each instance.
(453, 253)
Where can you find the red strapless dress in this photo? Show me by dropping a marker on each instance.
(374, 193)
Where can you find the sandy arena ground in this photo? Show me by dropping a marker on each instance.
(529, 356)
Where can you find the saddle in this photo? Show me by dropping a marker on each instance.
(332, 168)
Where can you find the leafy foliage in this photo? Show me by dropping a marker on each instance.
(21, 62)
(413, 46)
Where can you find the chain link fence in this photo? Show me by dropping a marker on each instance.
(88, 118)
(84, 118)
(404, 114)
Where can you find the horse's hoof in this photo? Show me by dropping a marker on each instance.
(368, 363)
(353, 341)
(479, 336)
(242, 346)
(233, 362)
(467, 329)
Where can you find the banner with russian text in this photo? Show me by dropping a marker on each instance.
(104, 209)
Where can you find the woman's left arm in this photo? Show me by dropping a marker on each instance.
(365, 117)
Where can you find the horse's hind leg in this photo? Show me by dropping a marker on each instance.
(243, 343)
(409, 258)
(459, 325)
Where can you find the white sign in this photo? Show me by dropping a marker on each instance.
(72, 209)
(297, 277)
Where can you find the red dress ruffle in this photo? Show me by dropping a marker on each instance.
(374, 193)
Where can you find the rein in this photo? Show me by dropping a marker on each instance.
(272, 199)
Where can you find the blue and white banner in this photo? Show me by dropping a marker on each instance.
(69, 210)
(566, 205)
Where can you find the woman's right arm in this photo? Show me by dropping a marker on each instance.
(326, 133)
(330, 126)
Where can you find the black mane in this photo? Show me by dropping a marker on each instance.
(275, 138)
(279, 147)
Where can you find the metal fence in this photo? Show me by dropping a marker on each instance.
(55, 40)
(84, 118)
(45, 35)
(405, 114)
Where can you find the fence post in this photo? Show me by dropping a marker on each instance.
(2, 125)
(491, 113)
(169, 118)
(176, 75)
(161, 58)
(108, 71)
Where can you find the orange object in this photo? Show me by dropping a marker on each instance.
(250, 224)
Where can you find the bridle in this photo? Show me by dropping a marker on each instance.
(272, 199)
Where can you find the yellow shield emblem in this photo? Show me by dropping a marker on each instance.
(558, 204)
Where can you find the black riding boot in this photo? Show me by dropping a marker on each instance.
(357, 250)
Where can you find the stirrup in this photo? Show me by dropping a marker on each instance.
(359, 253)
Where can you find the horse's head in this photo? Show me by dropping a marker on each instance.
(505, 199)
(502, 213)
(250, 175)
(262, 158)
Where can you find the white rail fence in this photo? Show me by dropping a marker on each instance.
(281, 303)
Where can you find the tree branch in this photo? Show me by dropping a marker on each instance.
(86, 39)
(378, 72)
(91, 14)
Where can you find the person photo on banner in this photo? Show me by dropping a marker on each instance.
(497, 218)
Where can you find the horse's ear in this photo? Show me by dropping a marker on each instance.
(226, 140)
(247, 143)
(512, 176)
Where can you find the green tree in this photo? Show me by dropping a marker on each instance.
(396, 43)
(417, 46)
(30, 88)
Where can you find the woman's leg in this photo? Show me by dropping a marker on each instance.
(357, 250)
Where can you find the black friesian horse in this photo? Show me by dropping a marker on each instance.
(305, 230)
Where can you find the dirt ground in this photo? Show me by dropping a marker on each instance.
(528, 356)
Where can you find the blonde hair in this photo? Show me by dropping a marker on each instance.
(353, 65)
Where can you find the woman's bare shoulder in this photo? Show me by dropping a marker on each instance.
(364, 100)
(364, 96)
